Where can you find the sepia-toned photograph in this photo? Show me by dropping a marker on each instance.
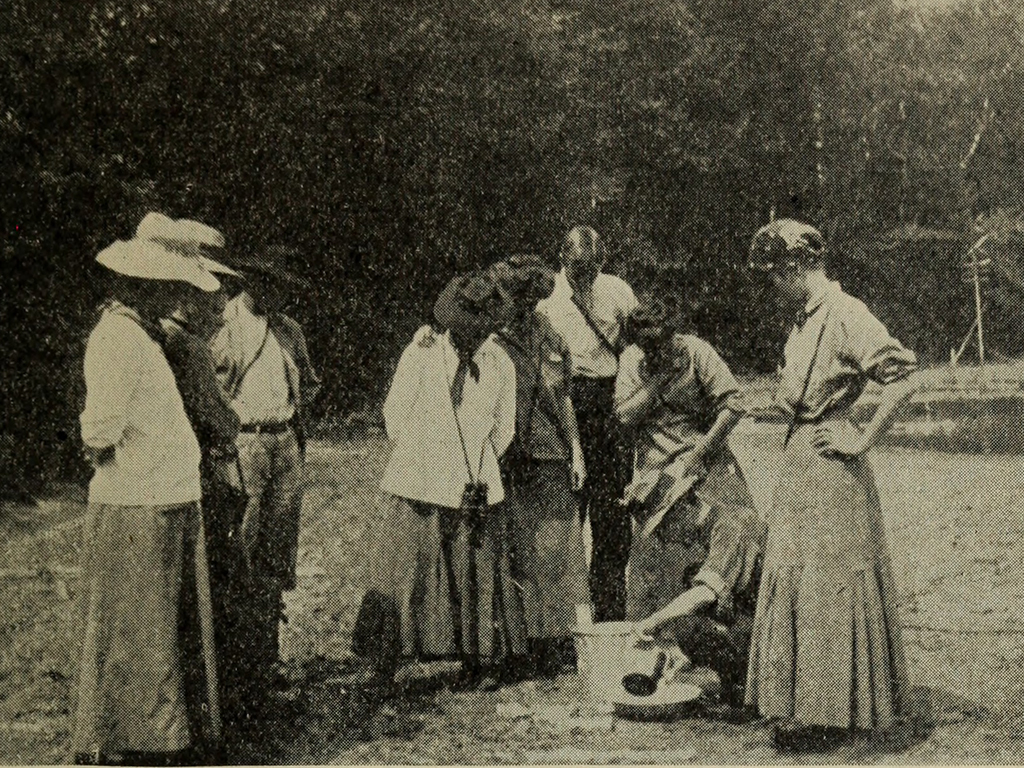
(493, 382)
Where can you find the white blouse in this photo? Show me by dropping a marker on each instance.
(132, 403)
(613, 301)
(427, 461)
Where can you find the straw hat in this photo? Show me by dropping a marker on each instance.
(191, 237)
(151, 260)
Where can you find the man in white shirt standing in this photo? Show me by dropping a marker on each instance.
(264, 368)
(143, 531)
(588, 308)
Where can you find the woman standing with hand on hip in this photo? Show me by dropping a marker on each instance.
(826, 655)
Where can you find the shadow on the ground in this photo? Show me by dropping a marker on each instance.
(23, 518)
(928, 708)
(327, 716)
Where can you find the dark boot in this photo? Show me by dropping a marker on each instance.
(794, 736)
(545, 661)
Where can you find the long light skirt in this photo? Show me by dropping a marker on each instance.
(432, 594)
(548, 561)
(147, 681)
(826, 645)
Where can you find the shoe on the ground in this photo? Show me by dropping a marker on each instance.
(794, 736)
(469, 677)
(733, 715)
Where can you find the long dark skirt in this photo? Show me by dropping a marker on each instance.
(548, 562)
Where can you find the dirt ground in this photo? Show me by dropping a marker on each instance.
(955, 525)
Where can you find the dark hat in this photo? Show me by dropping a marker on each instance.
(786, 242)
(273, 261)
(524, 279)
(470, 303)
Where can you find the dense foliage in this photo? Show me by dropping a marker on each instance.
(396, 142)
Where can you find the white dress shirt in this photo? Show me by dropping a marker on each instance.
(613, 300)
(132, 403)
(427, 462)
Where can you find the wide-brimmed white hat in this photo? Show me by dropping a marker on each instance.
(151, 260)
(190, 237)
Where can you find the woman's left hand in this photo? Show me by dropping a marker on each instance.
(839, 440)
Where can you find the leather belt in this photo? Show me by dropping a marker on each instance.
(271, 428)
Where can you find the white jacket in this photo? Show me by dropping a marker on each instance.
(427, 461)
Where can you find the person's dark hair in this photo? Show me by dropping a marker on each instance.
(152, 299)
(787, 242)
(651, 322)
(232, 285)
(523, 280)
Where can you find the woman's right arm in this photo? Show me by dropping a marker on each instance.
(112, 372)
(405, 383)
(634, 398)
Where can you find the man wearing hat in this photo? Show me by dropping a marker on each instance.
(186, 342)
(588, 309)
(143, 529)
(450, 413)
(264, 368)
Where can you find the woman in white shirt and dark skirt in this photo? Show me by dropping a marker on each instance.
(450, 413)
(145, 584)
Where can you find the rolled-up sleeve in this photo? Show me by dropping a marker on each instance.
(113, 365)
(875, 352)
(736, 541)
(715, 376)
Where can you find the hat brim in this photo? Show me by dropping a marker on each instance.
(211, 265)
(150, 260)
(247, 267)
(452, 315)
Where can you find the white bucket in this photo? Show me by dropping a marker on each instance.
(605, 653)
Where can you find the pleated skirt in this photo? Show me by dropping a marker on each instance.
(826, 646)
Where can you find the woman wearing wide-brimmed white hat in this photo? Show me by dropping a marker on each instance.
(143, 543)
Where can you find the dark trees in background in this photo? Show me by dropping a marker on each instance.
(395, 143)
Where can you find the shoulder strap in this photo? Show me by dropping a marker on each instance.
(252, 362)
(807, 381)
(593, 326)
